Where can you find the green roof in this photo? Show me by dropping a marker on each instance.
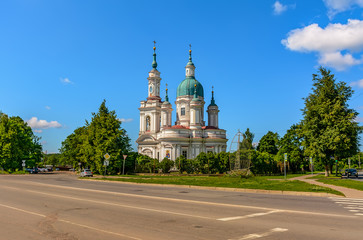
(186, 87)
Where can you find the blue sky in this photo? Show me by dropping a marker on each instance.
(60, 59)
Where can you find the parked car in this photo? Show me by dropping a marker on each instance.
(86, 173)
(31, 170)
(350, 172)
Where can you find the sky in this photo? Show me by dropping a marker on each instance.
(60, 59)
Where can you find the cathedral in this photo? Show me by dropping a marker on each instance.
(190, 135)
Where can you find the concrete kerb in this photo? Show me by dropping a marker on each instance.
(245, 190)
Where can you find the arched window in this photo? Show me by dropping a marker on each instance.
(147, 123)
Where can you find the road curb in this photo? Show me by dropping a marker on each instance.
(245, 190)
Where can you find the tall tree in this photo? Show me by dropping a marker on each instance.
(269, 143)
(247, 141)
(17, 143)
(290, 143)
(104, 134)
(329, 127)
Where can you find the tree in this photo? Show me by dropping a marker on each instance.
(290, 143)
(329, 128)
(166, 164)
(88, 144)
(247, 141)
(269, 143)
(17, 143)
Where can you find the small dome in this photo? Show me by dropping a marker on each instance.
(186, 87)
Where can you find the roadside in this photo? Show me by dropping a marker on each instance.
(348, 192)
(260, 184)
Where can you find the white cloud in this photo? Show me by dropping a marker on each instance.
(359, 119)
(38, 130)
(44, 143)
(125, 120)
(36, 124)
(329, 42)
(47, 107)
(279, 8)
(66, 81)
(337, 6)
(358, 83)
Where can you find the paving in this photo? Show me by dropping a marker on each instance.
(348, 192)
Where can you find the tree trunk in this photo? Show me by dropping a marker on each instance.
(326, 170)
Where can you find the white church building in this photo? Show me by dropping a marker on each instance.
(190, 135)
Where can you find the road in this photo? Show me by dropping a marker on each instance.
(60, 206)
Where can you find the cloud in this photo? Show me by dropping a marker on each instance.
(47, 107)
(44, 143)
(279, 8)
(66, 81)
(38, 130)
(125, 120)
(358, 83)
(337, 6)
(37, 125)
(359, 119)
(329, 43)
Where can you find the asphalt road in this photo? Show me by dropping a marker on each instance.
(59, 206)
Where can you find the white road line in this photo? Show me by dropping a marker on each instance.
(188, 201)
(347, 199)
(248, 216)
(353, 210)
(260, 235)
(359, 214)
(69, 222)
(119, 205)
(350, 203)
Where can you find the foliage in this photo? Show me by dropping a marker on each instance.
(17, 143)
(166, 164)
(247, 141)
(146, 164)
(87, 145)
(329, 128)
(269, 143)
(290, 143)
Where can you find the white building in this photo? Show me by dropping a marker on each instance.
(158, 138)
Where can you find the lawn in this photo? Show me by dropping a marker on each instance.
(337, 181)
(260, 182)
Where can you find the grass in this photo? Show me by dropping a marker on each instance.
(260, 182)
(337, 181)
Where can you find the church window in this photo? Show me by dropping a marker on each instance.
(185, 153)
(147, 123)
(182, 111)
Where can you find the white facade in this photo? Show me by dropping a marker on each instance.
(158, 138)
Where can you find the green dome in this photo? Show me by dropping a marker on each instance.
(186, 87)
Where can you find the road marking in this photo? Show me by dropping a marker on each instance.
(248, 216)
(119, 205)
(189, 201)
(350, 203)
(346, 199)
(359, 214)
(353, 210)
(260, 235)
(69, 222)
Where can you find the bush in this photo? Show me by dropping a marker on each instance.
(166, 164)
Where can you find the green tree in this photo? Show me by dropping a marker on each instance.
(269, 143)
(290, 143)
(166, 164)
(88, 144)
(247, 141)
(329, 128)
(17, 143)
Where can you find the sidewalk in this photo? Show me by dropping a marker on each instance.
(348, 192)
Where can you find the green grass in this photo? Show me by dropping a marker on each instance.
(262, 182)
(348, 183)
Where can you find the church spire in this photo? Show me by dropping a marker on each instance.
(212, 102)
(154, 64)
(190, 68)
(190, 55)
(166, 94)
